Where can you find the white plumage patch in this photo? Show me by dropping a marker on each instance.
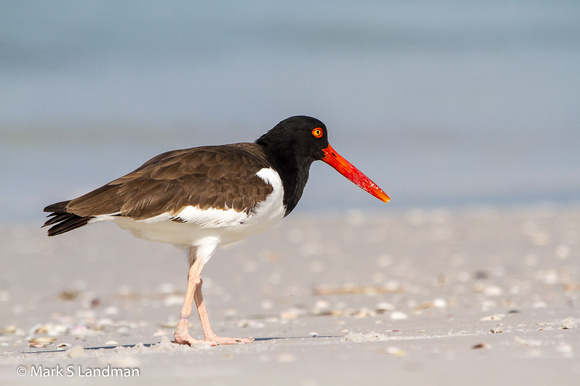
(105, 217)
(272, 208)
(211, 218)
(211, 227)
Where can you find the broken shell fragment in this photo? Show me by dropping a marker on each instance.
(41, 342)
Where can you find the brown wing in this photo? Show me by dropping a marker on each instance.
(221, 177)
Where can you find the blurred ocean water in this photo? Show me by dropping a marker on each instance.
(441, 103)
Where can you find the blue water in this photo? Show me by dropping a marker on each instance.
(441, 103)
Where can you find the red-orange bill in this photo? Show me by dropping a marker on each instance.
(345, 168)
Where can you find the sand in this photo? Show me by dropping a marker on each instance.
(483, 296)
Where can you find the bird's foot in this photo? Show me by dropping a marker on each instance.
(187, 339)
(192, 342)
(214, 341)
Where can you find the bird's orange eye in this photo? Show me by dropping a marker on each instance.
(317, 132)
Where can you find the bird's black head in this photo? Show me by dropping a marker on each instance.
(291, 147)
(300, 137)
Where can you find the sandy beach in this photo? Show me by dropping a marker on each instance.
(439, 297)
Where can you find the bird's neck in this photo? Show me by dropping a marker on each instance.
(292, 168)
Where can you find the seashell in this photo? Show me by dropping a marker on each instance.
(41, 342)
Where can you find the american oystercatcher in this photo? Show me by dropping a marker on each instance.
(207, 196)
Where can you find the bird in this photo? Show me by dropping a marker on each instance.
(203, 197)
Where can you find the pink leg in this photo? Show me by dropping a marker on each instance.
(193, 293)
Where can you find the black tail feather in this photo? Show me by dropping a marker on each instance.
(61, 220)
